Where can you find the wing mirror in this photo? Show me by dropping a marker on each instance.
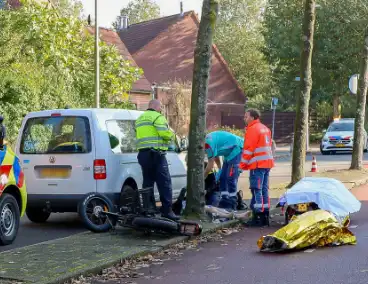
(184, 144)
(2, 136)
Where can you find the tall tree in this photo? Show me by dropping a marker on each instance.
(139, 11)
(52, 65)
(357, 158)
(240, 40)
(337, 40)
(197, 130)
(301, 120)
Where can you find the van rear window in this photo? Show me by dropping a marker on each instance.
(56, 135)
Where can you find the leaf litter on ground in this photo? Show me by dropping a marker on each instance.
(128, 268)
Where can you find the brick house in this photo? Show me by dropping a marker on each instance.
(141, 92)
(164, 49)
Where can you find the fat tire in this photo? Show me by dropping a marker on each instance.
(37, 214)
(82, 211)
(156, 224)
(10, 200)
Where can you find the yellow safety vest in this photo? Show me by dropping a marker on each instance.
(152, 131)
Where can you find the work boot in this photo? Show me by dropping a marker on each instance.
(254, 221)
(171, 215)
(265, 219)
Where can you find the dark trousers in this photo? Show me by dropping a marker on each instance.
(156, 169)
(229, 183)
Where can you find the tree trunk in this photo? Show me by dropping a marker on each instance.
(301, 120)
(336, 102)
(197, 131)
(357, 157)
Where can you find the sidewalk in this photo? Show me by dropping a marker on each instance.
(59, 260)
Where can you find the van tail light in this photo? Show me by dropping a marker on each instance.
(99, 169)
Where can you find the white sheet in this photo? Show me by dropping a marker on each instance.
(329, 194)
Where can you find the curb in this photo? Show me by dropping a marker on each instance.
(359, 182)
(96, 269)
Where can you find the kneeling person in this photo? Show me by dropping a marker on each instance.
(229, 146)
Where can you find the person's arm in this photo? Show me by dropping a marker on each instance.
(210, 164)
(163, 129)
(250, 144)
(218, 162)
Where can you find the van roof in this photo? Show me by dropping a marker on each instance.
(102, 113)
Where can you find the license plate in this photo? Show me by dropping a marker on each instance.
(303, 207)
(54, 173)
(340, 145)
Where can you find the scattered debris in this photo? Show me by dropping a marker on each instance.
(309, 250)
(128, 269)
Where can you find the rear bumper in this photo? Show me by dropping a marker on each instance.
(60, 202)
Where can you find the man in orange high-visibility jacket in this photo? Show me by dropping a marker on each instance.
(257, 158)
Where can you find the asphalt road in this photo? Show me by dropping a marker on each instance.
(236, 260)
(66, 224)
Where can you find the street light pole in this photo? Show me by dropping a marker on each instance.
(97, 58)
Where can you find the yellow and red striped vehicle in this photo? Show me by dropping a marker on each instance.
(13, 195)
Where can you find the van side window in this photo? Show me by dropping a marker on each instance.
(122, 136)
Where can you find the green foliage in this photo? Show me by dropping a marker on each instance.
(339, 30)
(233, 130)
(239, 38)
(139, 11)
(47, 61)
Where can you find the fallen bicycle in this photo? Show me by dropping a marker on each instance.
(139, 212)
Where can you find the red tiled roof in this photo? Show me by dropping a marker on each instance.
(111, 37)
(170, 56)
(13, 3)
(138, 35)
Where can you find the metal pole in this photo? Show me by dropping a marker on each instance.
(273, 121)
(97, 58)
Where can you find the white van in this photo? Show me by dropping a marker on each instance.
(68, 153)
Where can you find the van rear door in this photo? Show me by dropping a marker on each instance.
(57, 155)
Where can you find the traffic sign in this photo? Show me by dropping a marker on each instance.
(353, 84)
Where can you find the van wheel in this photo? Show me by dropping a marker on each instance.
(9, 219)
(129, 197)
(37, 214)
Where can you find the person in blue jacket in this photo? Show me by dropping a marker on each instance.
(230, 147)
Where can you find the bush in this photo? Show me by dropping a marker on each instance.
(238, 132)
(233, 130)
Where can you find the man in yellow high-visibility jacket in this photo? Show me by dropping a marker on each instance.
(153, 140)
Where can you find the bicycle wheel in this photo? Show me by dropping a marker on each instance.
(91, 212)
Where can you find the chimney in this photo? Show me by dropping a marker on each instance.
(123, 23)
(181, 8)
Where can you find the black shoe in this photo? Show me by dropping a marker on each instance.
(257, 221)
(265, 219)
(170, 216)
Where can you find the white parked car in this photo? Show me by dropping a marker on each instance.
(339, 137)
(68, 153)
